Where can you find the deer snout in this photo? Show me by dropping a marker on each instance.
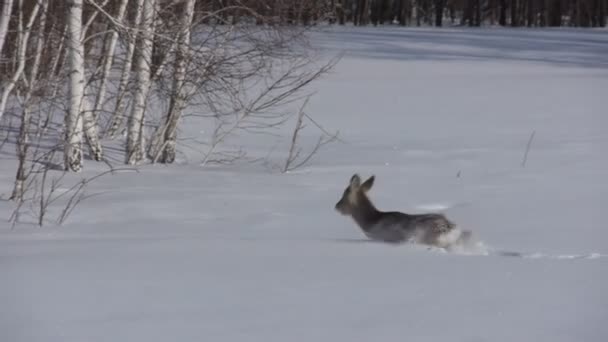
(340, 207)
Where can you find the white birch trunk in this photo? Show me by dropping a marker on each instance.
(89, 120)
(73, 120)
(22, 147)
(39, 47)
(23, 140)
(19, 28)
(91, 130)
(109, 59)
(5, 17)
(24, 35)
(43, 125)
(87, 25)
(119, 109)
(57, 59)
(177, 101)
(165, 57)
(135, 136)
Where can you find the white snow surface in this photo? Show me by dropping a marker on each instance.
(244, 253)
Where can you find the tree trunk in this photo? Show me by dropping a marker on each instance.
(530, 12)
(363, 12)
(90, 128)
(40, 40)
(22, 147)
(467, 18)
(135, 134)
(555, 13)
(403, 11)
(477, 12)
(439, 6)
(591, 13)
(599, 13)
(86, 26)
(342, 12)
(89, 120)
(375, 12)
(5, 18)
(575, 16)
(428, 14)
(602, 13)
(73, 120)
(543, 13)
(177, 101)
(109, 59)
(452, 10)
(384, 8)
(502, 17)
(21, 56)
(119, 109)
(23, 140)
(514, 21)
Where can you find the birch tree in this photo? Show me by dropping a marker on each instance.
(212, 71)
(135, 134)
(73, 119)
(89, 120)
(23, 140)
(109, 58)
(177, 101)
(119, 109)
(5, 17)
(23, 38)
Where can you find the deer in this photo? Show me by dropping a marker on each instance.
(431, 229)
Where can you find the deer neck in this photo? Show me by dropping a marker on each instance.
(365, 214)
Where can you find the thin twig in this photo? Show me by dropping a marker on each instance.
(525, 159)
(293, 160)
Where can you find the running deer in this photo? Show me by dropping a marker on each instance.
(395, 227)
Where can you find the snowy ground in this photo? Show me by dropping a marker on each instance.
(242, 253)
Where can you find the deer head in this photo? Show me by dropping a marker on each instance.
(354, 198)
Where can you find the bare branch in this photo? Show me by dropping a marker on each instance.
(293, 160)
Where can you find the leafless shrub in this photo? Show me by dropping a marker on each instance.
(296, 158)
(44, 186)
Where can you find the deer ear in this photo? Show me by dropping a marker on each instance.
(355, 181)
(368, 184)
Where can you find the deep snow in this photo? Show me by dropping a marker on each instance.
(242, 252)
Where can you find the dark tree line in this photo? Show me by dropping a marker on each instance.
(515, 13)
(531, 13)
